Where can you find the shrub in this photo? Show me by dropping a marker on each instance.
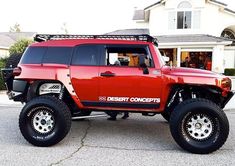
(16, 49)
(229, 72)
(20, 46)
(2, 65)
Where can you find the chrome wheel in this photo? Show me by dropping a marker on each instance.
(199, 127)
(43, 121)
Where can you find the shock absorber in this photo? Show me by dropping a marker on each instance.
(61, 93)
(180, 96)
(194, 96)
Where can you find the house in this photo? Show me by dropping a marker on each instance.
(7, 39)
(199, 31)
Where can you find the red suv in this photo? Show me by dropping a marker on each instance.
(64, 77)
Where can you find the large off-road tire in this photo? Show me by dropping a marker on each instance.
(45, 121)
(199, 126)
(13, 60)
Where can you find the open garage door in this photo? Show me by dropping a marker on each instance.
(200, 58)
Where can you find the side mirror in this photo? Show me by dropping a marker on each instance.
(143, 65)
(166, 59)
(145, 70)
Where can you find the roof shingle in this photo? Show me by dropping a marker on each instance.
(190, 38)
(139, 15)
(129, 32)
(9, 38)
(200, 38)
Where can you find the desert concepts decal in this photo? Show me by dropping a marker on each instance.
(129, 99)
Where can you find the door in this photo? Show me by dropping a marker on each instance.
(84, 71)
(123, 83)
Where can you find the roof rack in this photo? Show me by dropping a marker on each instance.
(144, 37)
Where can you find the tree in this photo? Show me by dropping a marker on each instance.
(64, 28)
(20, 46)
(15, 28)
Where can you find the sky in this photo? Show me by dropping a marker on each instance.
(79, 16)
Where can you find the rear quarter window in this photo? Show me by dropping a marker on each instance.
(58, 55)
(33, 55)
(88, 55)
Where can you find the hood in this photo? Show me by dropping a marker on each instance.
(182, 71)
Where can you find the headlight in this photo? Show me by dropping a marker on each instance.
(226, 83)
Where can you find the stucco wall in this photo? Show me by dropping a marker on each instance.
(229, 57)
(3, 52)
(215, 21)
(212, 20)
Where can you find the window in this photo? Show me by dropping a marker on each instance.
(184, 5)
(87, 55)
(58, 55)
(33, 55)
(229, 34)
(184, 15)
(127, 55)
(184, 19)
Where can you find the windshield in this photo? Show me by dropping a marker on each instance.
(160, 56)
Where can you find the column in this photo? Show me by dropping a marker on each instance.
(178, 56)
(218, 59)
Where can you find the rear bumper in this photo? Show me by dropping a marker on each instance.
(19, 90)
(8, 78)
(13, 95)
(16, 89)
(227, 99)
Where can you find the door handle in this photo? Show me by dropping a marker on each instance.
(107, 74)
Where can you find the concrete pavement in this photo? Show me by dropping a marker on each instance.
(136, 141)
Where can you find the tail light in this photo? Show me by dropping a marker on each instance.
(16, 71)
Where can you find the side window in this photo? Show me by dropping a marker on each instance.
(33, 55)
(128, 55)
(87, 55)
(58, 55)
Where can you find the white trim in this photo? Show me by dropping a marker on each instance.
(178, 56)
(228, 12)
(229, 48)
(152, 7)
(217, 4)
(196, 43)
(140, 21)
(3, 47)
(197, 49)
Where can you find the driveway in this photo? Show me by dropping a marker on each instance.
(136, 141)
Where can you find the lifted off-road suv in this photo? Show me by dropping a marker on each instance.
(61, 77)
